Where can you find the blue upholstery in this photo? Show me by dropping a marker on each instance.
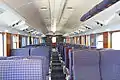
(93, 47)
(70, 62)
(3, 58)
(40, 51)
(71, 52)
(86, 65)
(64, 54)
(16, 58)
(45, 64)
(77, 46)
(36, 45)
(21, 70)
(20, 52)
(28, 46)
(110, 64)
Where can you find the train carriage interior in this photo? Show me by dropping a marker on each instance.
(59, 40)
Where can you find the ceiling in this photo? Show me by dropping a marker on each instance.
(60, 16)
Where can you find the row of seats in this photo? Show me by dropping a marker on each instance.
(37, 45)
(64, 50)
(92, 64)
(28, 63)
(96, 65)
(33, 51)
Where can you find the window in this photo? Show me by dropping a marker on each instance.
(43, 40)
(116, 40)
(28, 40)
(14, 41)
(99, 41)
(1, 45)
(32, 40)
(64, 40)
(83, 40)
(53, 39)
(40, 40)
(88, 40)
(5, 45)
(78, 40)
(24, 41)
(36, 41)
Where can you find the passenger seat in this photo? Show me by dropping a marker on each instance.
(21, 70)
(86, 65)
(110, 64)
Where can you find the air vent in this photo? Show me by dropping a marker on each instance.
(20, 22)
(25, 30)
(118, 12)
(87, 27)
(43, 8)
(98, 23)
(75, 32)
(1, 11)
(69, 8)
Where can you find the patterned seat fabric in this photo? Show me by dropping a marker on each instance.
(21, 70)
(44, 59)
(3, 58)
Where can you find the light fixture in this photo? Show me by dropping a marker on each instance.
(81, 30)
(107, 30)
(18, 33)
(93, 32)
(6, 30)
(2, 10)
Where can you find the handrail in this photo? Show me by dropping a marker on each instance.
(66, 72)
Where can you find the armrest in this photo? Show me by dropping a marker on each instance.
(66, 72)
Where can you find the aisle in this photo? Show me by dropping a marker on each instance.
(57, 69)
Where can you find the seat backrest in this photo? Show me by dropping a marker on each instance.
(16, 57)
(21, 70)
(62, 52)
(43, 58)
(77, 47)
(86, 65)
(3, 58)
(71, 52)
(70, 62)
(20, 52)
(110, 64)
(66, 53)
(40, 51)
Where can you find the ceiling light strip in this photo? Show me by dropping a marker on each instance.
(63, 10)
